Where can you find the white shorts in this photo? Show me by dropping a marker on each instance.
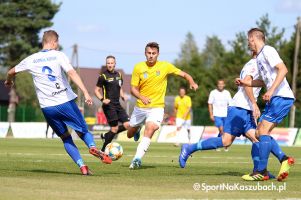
(142, 115)
(183, 123)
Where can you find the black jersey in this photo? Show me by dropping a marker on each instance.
(111, 83)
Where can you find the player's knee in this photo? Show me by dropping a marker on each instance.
(226, 141)
(114, 129)
(126, 125)
(65, 136)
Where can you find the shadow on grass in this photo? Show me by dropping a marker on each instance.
(142, 167)
(229, 174)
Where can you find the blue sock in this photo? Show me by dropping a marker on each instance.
(255, 155)
(276, 150)
(73, 152)
(88, 139)
(211, 143)
(265, 147)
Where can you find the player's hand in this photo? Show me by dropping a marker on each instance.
(212, 118)
(239, 82)
(145, 100)
(256, 112)
(88, 99)
(267, 96)
(106, 101)
(194, 86)
(8, 84)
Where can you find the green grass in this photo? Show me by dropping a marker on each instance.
(40, 169)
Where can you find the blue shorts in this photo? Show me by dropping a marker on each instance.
(277, 109)
(63, 115)
(239, 121)
(219, 121)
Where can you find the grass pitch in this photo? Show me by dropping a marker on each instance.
(41, 169)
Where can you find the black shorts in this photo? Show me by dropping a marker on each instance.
(115, 113)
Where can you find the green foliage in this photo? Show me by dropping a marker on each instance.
(216, 62)
(20, 24)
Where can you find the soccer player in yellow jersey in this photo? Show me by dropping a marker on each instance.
(148, 85)
(182, 109)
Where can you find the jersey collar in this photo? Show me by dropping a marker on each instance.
(46, 50)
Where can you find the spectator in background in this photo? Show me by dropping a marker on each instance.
(218, 103)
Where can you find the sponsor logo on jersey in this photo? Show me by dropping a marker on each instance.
(59, 92)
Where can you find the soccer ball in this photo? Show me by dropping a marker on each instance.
(114, 150)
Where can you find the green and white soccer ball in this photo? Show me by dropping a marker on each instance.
(114, 150)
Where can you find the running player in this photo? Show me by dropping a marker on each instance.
(56, 97)
(218, 103)
(279, 99)
(108, 90)
(148, 85)
(182, 107)
(241, 120)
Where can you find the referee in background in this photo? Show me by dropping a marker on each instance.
(108, 90)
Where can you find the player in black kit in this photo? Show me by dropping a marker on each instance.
(108, 90)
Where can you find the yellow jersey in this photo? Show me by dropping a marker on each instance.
(182, 104)
(152, 82)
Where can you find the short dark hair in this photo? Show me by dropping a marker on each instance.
(182, 88)
(258, 33)
(50, 35)
(110, 56)
(152, 45)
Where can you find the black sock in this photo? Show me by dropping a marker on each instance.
(121, 128)
(109, 136)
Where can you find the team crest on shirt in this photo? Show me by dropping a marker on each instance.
(145, 74)
(158, 72)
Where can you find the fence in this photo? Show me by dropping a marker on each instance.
(200, 116)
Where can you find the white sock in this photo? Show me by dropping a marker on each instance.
(142, 147)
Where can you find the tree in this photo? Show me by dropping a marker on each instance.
(274, 37)
(213, 52)
(20, 23)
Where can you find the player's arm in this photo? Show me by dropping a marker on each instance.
(135, 92)
(78, 81)
(189, 79)
(281, 73)
(122, 94)
(187, 112)
(210, 109)
(250, 94)
(249, 83)
(9, 77)
(98, 93)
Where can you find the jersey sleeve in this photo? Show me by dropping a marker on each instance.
(100, 81)
(171, 69)
(65, 62)
(121, 78)
(272, 56)
(23, 65)
(135, 76)
(211, 98)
